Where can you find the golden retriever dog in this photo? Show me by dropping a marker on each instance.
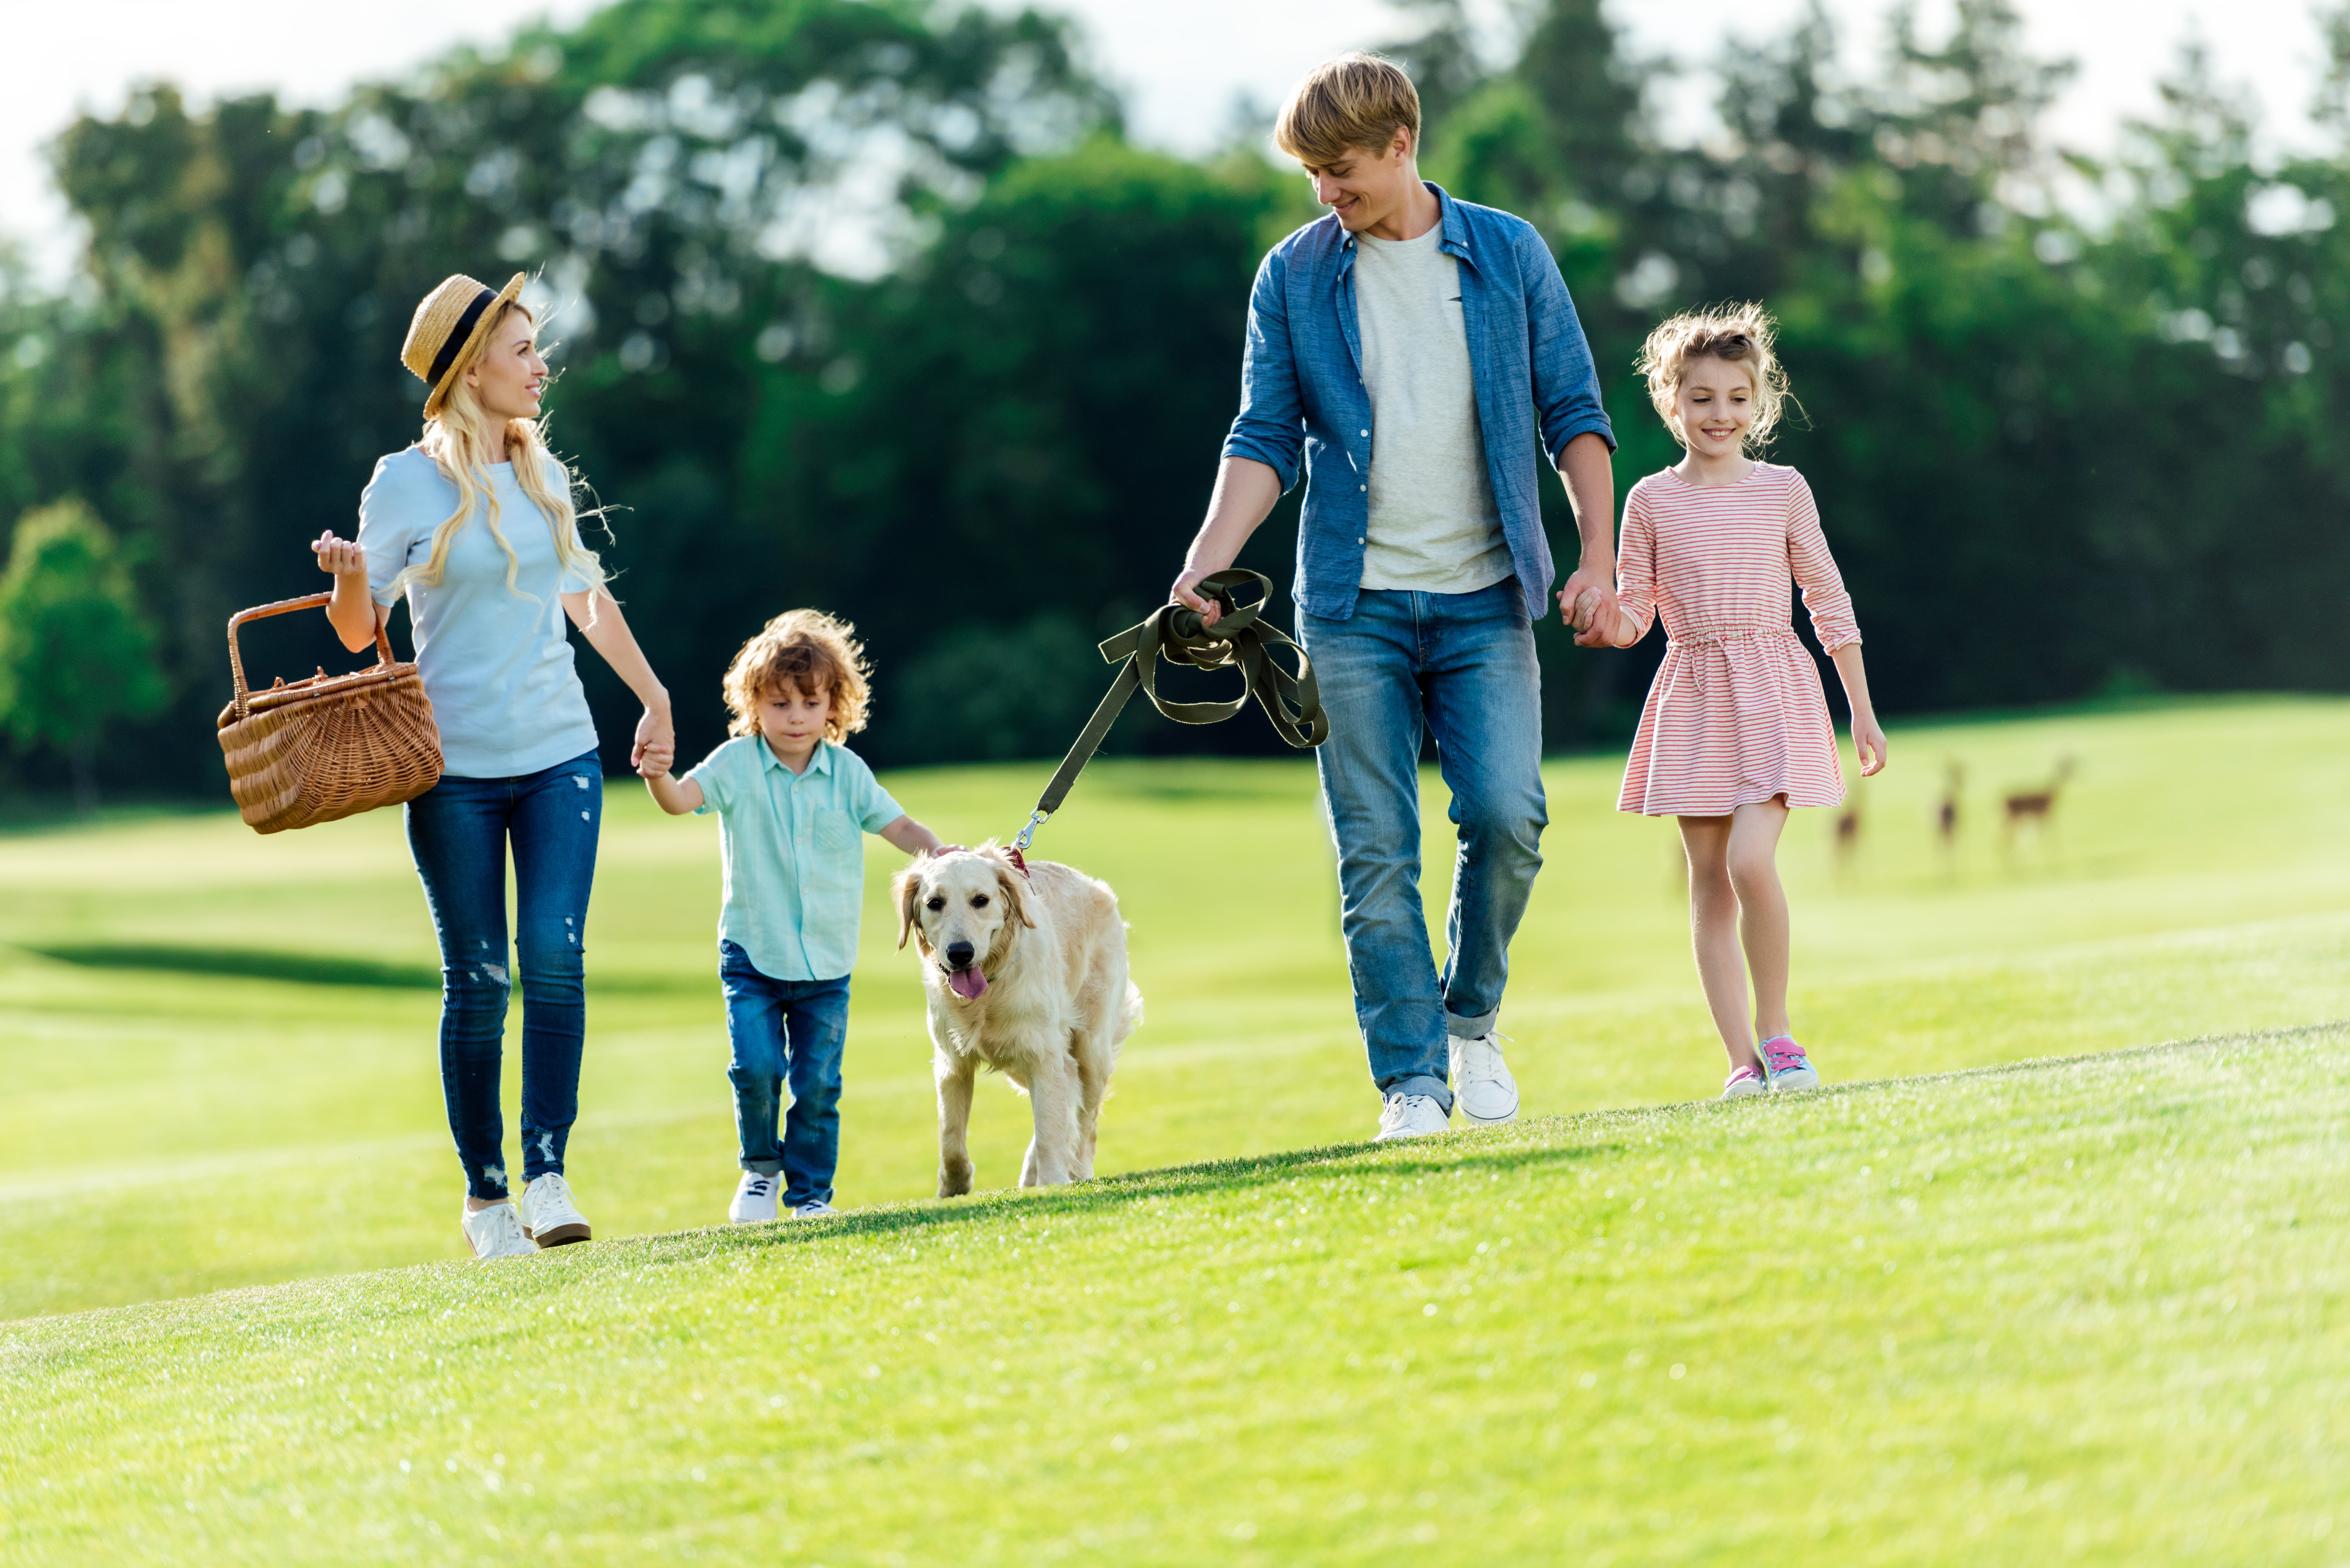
(1026, 974)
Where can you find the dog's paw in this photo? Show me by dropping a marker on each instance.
(954, 1178)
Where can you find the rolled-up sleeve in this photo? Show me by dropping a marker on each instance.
(1567, 384)
(1271, 427)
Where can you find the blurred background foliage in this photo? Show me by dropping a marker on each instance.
(870, 306)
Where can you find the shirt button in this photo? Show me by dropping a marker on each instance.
(1366, 432)
(1364, 488)
(1360, 540)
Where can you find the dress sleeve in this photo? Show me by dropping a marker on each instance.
(713, 774)
(391, 523)
(1816, 570)
(1636, 563)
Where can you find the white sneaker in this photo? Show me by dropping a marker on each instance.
(494, 1233)
(814, 1208)
(548, 1216)
(1409, 1116)
(1481, 1085)
(755, 1199)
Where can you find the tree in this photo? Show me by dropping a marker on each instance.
(76, 651)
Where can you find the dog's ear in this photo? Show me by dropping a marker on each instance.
(1016, 895)
(908, 888)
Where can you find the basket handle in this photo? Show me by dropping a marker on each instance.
(307, 601)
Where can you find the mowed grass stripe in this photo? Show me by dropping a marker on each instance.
(2089, 1310)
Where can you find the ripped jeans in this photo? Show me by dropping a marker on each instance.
(457, 832)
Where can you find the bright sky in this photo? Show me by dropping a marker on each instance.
(1181, 65)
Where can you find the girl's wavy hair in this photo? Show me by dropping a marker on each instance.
(811, 650)
(1741, 335)
(459, 439)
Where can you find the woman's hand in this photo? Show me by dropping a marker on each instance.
(655, 751)
(340, 556)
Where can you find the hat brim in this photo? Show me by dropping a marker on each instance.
(472, 347)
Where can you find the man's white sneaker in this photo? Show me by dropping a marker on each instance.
(754, 1197)
(814, 1208)
(1482, 1085)
(494, 1233)
(1409, 1116)
(548, 1216)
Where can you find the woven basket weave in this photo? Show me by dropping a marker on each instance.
(331, 746)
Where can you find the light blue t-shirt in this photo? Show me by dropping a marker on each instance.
(495, 659)
(794, 845)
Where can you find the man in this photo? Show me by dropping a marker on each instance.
(1419, 351)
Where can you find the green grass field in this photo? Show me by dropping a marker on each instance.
(2085, 1310)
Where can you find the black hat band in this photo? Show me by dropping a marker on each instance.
(457, 336)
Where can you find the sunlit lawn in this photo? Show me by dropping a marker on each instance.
(2091, 1312)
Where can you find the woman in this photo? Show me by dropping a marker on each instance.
(476, 523)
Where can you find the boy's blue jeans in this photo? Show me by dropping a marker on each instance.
(779, 1029)
(457, 833)
(1460, 665)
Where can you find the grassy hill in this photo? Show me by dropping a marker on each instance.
(2088, 1311)
(1906, 1328)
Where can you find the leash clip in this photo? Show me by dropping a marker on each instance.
(1037, 819)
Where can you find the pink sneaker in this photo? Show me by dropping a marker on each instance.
(1787, 1065)
(1744, 1082)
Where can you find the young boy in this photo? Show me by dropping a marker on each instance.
(792, 805)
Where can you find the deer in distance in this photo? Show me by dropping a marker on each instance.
(2036, 809)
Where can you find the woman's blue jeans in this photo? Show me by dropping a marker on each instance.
(458, 832)
(779, 1031)
(1461, 667)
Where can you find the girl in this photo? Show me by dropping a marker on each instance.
(1736, 731)
(475, 525)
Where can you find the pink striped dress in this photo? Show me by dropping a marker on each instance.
(1736, 714)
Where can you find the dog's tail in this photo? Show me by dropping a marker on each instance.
(1129, 1015)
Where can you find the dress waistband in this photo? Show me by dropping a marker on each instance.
(1715, 637)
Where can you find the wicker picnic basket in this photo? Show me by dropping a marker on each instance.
(329, 746)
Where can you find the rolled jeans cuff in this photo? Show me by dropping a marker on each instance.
(1461, 1028)
(1436, 1089)
(764, 1166)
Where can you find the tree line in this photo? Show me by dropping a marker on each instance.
(869, 305)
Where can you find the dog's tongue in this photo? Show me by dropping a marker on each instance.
(968, 982)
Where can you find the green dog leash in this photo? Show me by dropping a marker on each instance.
(1241, 639)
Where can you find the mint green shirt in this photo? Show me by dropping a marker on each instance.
(794, 845)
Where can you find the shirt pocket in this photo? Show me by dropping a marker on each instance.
(837, 866)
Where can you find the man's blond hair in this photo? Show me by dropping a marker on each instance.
(1354, 103)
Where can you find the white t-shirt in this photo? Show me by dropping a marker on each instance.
(495, 659)
(1434, 525)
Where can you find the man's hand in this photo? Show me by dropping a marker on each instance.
(1186, 592)
(1587, 603)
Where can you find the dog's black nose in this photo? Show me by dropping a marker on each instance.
(960, 954)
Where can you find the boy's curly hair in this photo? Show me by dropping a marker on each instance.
(1742, 335)
(811, 650)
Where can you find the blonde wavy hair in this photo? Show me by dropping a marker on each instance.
(459, 439)
(1742, 335)
(811, 650)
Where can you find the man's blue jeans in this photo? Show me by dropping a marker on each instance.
(458, 832)
(1460, 665)
(778, 1030)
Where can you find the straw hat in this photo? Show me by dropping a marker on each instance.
(446, 332)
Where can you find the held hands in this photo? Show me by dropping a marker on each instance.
(654, 752)
(342, 557)
(1587, 603)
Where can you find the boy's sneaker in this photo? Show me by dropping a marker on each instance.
(494, 1233)
(754, 1197)
(548, 1216)
(1788, 1066)
(814, 1208)
(1744, 1082)
(1409, 1115)
(1482, 1085)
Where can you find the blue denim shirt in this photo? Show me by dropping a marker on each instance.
(1302, 386)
